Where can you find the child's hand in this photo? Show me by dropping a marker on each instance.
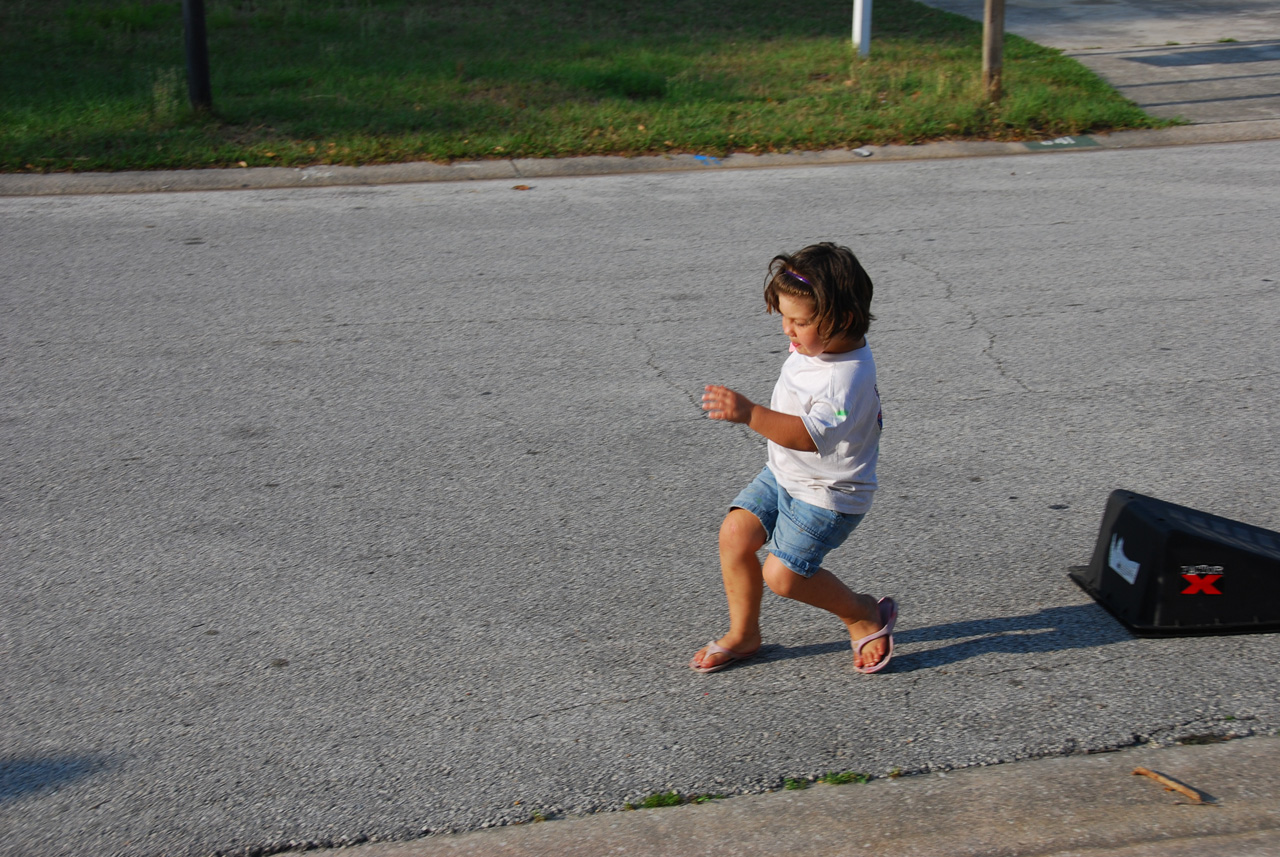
(721, 403)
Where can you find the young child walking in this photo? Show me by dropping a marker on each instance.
(823, 426)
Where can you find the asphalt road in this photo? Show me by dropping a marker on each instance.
(363, 513)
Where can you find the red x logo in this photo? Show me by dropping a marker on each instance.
(1202, 584)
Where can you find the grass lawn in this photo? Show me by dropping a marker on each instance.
(101, 85)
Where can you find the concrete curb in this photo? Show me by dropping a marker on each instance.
(1054, 807)
(260, 178)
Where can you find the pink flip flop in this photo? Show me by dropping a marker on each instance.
(714, 649)
(888, 616)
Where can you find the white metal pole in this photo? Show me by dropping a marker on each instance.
(862, 26)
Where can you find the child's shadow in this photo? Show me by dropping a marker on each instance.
(1054, 629)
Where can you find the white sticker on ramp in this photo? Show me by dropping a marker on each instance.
(1121, 564)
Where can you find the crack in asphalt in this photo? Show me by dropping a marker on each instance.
(975, 322)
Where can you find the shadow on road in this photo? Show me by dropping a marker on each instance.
(19, 777)
(1053, 629)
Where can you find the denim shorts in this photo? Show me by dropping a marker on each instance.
(800, 534)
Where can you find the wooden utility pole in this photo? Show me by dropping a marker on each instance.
(993, 49)
(198, 88)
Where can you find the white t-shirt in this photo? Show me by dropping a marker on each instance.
(836, 396)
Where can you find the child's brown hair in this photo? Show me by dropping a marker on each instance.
(830, 276)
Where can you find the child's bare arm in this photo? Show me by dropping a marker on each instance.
(721, 403)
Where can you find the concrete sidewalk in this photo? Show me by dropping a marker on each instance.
(1060, 807)
(1206, 61)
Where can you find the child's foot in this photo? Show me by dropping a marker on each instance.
(715, 656)
(873, 640)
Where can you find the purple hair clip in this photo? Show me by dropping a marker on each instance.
(800, 278)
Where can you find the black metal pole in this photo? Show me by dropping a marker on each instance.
(198, 89)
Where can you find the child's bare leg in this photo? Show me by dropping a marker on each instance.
(860, 613)
(741, 537)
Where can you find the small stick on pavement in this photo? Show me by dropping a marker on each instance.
(1171, 785)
